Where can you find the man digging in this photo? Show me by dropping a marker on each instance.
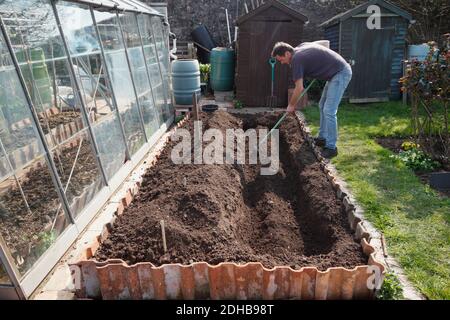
(315, 61)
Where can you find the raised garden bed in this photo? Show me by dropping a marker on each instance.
(233, 233)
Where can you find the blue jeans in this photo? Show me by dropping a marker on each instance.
(329, 103)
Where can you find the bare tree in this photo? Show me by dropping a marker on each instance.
(432, 19)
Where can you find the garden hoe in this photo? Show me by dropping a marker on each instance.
(272, 100)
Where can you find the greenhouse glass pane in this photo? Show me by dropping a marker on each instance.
(4, 278)
(18, 134)
(119, 73)
(78, 171)
(39, 49)
(139, 72)
(84, 46)
(41, 54)
(161, 47)
(152, 65)
(31, 215)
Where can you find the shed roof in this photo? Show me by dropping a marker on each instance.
(363, 7)
(273, 3)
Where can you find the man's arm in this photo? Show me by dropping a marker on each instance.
(297, 92)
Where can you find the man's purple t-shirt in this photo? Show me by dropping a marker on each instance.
(315, 61)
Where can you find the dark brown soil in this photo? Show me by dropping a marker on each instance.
(58, 119)
(395, 145)
(218, 213)
(24, 231)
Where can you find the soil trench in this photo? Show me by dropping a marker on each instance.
(232, 213)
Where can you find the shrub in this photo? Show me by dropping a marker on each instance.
(416, 159)
(428, 84)
(238, 104)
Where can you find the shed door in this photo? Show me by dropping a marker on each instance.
(371, 52)
(263, 36)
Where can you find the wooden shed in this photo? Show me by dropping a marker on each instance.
(258, 31)
(375, 54)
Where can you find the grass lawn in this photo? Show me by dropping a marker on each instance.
(413, 217)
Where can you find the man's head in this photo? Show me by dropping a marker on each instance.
(283, 52)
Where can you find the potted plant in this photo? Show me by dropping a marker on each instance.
(205, 70)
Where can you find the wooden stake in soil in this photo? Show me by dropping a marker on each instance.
(163, 232)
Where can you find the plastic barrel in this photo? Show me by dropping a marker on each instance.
(185, 80)
(222, 69)
(202, 36)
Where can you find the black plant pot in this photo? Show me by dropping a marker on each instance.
(206, 88)
(203, 88)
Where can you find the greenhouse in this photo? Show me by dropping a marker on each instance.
(84, 95)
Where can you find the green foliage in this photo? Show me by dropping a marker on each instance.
(409, 145)
(179, 118)
(416, 159)
(205, 70)
(238, 104)
(391, 288)
(46, 239)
